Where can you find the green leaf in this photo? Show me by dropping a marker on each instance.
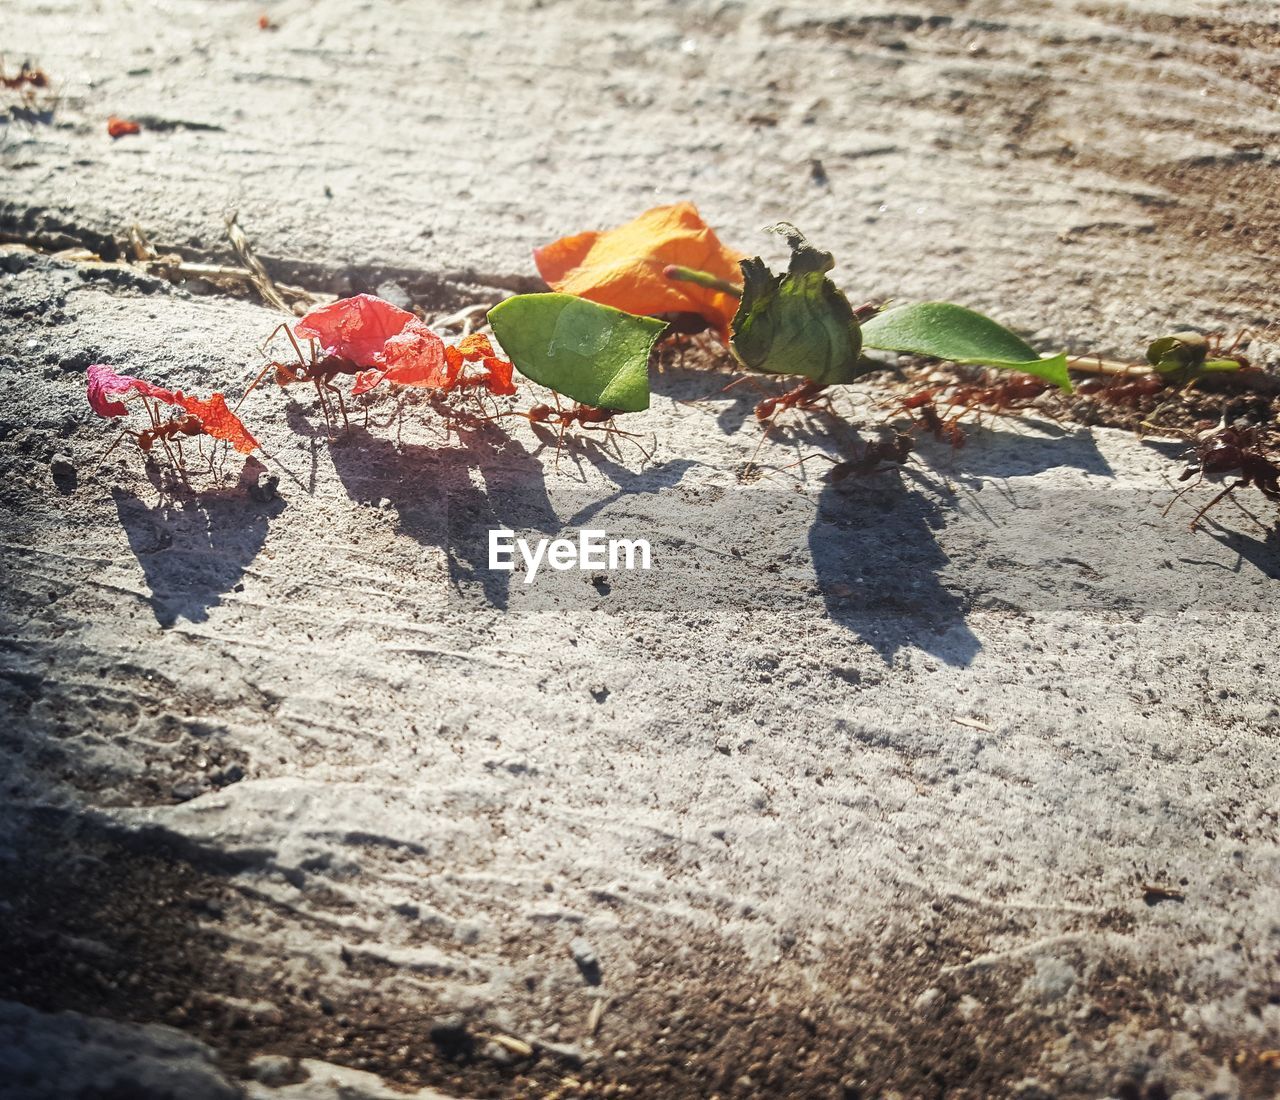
(945, 331)
(1183, 356)
(593, 354)
(799, 322)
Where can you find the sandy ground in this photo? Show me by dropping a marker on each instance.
(958, 781)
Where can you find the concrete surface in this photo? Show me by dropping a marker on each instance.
(866, 790)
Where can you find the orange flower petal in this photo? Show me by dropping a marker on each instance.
(624, 267)
(499, 382)
(476, 346)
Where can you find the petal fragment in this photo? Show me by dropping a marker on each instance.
(104, 385)
(218, 421)
(354, 328)
(625, 267)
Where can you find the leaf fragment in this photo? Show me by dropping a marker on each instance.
(218, 420)
(594, 354)
(1184, 356)
(942, 330)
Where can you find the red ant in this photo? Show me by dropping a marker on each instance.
(1013, 393)
(1224, 451)
(894, 451)
(802, 397)
(161, 431)
(321, 372)
(1130, 394)
(926, 415)
(588, 416)
(28, 80)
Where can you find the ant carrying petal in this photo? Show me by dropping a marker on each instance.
(355, 329)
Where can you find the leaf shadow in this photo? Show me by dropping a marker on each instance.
(194, 545)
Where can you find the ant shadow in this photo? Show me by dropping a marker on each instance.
(879, 565)
(1006, 451)
(194, 545)
(1262, 553)
(439, 501)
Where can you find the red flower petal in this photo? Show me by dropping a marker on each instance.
(416, 357)
(367, 380)
(104, 384)
(218, 420)
(354, 329)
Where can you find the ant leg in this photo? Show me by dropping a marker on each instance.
(252, 386)
(342, 406)
(1195, 522)
(107, 453)
(755, 454)
(324, 406)
(560, 444)
(635, 442)
(1179, 495)
(155, 423)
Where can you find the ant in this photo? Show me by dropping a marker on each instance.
(28, 80)
(1130, 394)
(321, 372)
(588, 416)
(161, 431)
(1013, 393)
(893, 451)
(924, 413)
(804, 396)
(1224, 451)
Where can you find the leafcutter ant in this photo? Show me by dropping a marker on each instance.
(803, 396)
(874, 455)
(922, 410)
(1130, 394)
(589, 417)
(162, 432)
(1225, 451)
(320, 372)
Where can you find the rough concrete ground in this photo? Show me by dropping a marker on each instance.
(861, 792)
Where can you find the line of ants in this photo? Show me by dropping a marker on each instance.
(321, 372)
(1223, 451)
